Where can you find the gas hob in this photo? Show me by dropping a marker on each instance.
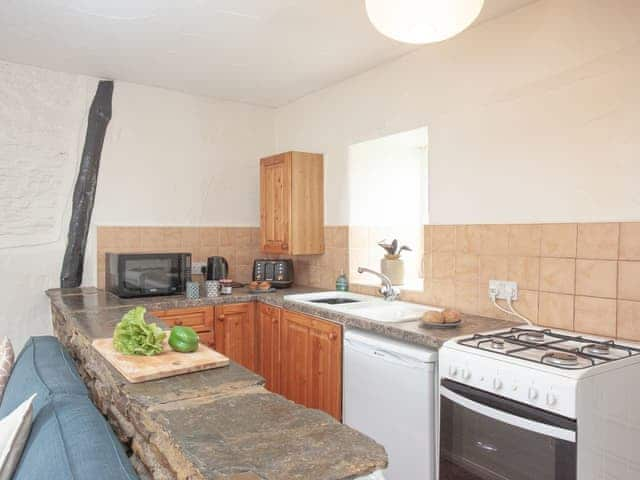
(539, 367)
(548, 347)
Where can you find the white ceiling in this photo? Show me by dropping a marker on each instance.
(264, 52)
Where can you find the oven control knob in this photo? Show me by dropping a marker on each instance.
(533, 393)
(453, 370)
(551, 399)
(466, 374)
(497, 383)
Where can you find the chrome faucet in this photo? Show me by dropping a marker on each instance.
(388, 291)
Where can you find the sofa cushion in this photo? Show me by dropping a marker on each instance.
(43, 367)
(70, 439)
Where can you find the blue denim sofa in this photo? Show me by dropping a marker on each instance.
(69, 439)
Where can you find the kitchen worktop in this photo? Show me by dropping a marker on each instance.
(214, 424)
(97, 304)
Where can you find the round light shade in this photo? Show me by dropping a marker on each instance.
(422, 21)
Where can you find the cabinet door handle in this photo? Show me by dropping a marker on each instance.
(275, 320)
(332, 336)
(221, 318)
(285, 245)
(178, 322)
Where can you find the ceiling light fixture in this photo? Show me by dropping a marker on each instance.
(422, 21)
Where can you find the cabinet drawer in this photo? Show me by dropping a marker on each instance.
(198, 318)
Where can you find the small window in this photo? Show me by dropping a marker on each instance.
(388, 199)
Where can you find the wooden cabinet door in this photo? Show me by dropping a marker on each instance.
(269, 345)
(198, 318)
(275, 203)
(294, 357)
(311, 362)
(235, 333)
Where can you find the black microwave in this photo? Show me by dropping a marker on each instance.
(146, 274)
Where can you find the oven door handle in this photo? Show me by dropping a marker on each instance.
(524, 423)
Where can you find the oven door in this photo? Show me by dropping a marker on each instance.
(151, 274)
(487, 437)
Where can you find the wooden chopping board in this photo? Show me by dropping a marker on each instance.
(141, 368)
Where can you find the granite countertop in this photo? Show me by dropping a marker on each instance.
(94, 300)
(217, 424)
(222, 423)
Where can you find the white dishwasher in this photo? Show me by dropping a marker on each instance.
(389, 394)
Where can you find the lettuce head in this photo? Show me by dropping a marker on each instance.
(134, 336)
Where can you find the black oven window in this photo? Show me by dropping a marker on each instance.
(477, 447)
(149, 274)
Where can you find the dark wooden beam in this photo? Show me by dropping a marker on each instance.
(84, 192)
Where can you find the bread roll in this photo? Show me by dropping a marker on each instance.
(451, 316)
(432, 316)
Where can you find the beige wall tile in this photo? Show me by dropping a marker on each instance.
(466, 297)
(596, 278)
(340, 237)
(629, 280)
(527, 305)
(595, 315)
(426, 239)
(358, 237)
(556, 310)
(209, 236)
(525, 240)
(557, 275)
(468, 239)
(525, 271)
(559, 240)
(229, 253)
(161, 238)
(442, 265)
(120, 237)
(628, 320)
(466, 268)
(243, 273)
(491, 267)
(630, 241)
(494, 239)
(206, 252)
(443, 292)
(426, 267)
(443, 238)
(486, 307)
(598, 240)
(189, 238)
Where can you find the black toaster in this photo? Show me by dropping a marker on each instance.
(278, 272)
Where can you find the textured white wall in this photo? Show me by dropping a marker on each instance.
(168, 159)
(42, 126)
(532, 116)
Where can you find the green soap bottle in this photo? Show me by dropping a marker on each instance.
(342, 283)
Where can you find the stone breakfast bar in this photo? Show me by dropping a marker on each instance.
(214, 424)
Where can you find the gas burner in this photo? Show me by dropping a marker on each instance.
(497, 343)
(597, 349)
(532, 336)
(561, 359)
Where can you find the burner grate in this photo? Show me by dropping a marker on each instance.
(549, 341)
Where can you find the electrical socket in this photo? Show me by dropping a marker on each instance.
(196, 267)
(503, 289)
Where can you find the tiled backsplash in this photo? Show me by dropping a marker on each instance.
(583, 277)
(239, 245)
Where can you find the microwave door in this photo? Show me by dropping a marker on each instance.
(513, 442)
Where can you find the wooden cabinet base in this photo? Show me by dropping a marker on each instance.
(311, 362)
(198, 318)
(235, 333)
